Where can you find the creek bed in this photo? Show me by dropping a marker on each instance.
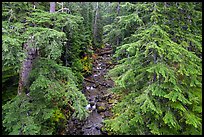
(95, 89)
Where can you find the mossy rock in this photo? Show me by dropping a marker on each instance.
(101, 107)
(111, 101)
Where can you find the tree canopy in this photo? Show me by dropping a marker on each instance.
(48, 48)
(159, 68)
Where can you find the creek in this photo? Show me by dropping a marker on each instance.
(96, 89)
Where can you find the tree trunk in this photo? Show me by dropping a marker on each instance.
(95, 23)
(155, 62)
(118, 8)
(109, 5)
(52, 7)
(62, 7)
(34, 6)
(118, 11)
(26, 67)
(27, 63)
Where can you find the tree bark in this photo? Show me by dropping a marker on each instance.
(95, 23)
(118, 8)
(106, 52)
(27, 63)
(52, 7)
(155, 62)
(109, 5)
(34, 4)
(118, 12)
(26, 67)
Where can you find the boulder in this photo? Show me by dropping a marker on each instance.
(89, 126)
(101, 107)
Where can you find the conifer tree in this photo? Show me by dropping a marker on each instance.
(54, 96)
(97, 26)
(159, 71)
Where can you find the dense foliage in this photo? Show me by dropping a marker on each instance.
(53, 98)
(158, 76)
(159, 68)
(54, 95)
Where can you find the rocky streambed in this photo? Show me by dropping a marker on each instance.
(96, 89)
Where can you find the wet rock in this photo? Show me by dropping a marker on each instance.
(95, 75)
(107, 114)
(98, 68)
(91, 98)
(103, 116)
(98, 126)
(95, 70)
(106, 96)
(99, 64)
(108, 85)
(91, 88)
(75, 121)
(87, 87)
(95, 85)
(96, 97)
(92, 103)
(78, 127)
(89, 126)
(103, 65)
(81, 132)
(99, 99)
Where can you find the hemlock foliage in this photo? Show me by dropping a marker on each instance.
(158, 76)
(53, 89)
(159, 69)
(54, 95)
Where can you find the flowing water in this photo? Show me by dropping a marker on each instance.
(96, 89)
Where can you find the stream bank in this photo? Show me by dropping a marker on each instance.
(96, 89)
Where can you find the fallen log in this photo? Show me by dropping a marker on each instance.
(105, 52)
(94, 82)
(106, 48)
(89, 80)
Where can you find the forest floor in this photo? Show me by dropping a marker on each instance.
(96, 89)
